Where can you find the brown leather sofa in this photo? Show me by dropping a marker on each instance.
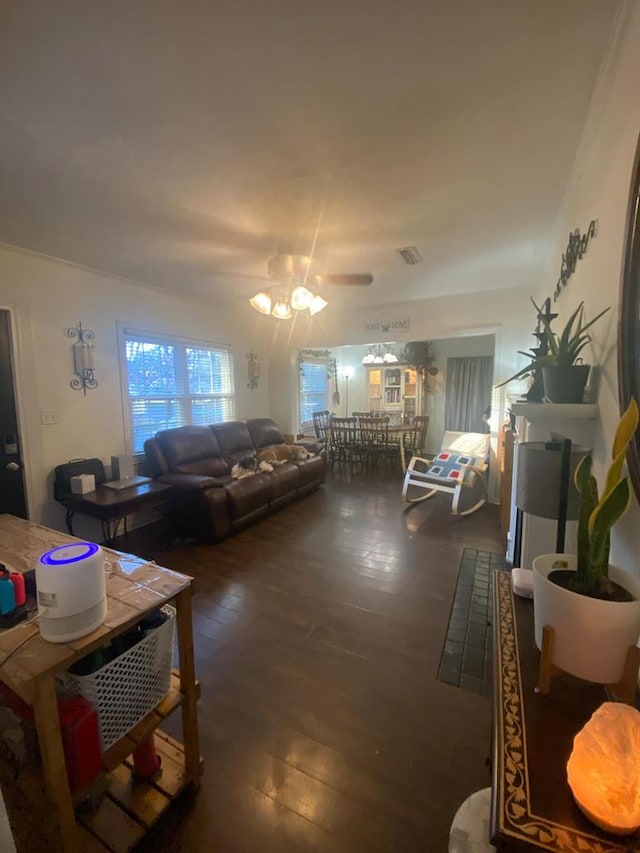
(207, 503)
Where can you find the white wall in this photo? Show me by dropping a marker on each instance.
(46, 297)
(600, 190)
(504, 314)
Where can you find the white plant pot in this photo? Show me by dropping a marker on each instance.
(591, 637)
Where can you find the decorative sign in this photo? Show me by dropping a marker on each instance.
(386, 324)
(576, 247)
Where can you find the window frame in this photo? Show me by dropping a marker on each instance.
(326, 362)
(126, 332)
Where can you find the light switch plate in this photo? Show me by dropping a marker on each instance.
(48, 416)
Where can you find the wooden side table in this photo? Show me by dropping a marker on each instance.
(29, 664)
(111, 507)
(532, 805)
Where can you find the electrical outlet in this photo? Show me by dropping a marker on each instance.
(48, 417)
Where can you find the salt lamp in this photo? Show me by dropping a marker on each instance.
(604, 771)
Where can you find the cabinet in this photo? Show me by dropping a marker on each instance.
(394, 390)
(29, 665)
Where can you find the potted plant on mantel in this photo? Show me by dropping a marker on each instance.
(593, 608)
(421, 356)
(558, 359)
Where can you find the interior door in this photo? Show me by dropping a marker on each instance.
(12, 490)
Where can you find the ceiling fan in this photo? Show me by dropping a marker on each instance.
(290, 275)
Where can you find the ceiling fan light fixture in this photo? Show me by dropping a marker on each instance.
(282, 310)
(261, 302)
(317, 304)
(301, 298)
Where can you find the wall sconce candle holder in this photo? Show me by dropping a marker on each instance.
(253, 370)
(83, 364)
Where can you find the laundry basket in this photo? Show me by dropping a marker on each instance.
(127, 688)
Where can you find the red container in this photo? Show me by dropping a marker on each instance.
(146, 761)
(79, 730)
(80, 740)
(18, 588)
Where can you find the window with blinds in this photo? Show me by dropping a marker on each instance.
(172, 382)
(314, 391)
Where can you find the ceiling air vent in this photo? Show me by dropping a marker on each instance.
(410, 255)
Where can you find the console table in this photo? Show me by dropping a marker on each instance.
(29, 664)
(111, 506)
(532, 805)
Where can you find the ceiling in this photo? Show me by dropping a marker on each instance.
(181, 144)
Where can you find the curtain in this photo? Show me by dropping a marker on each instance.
(468, 393)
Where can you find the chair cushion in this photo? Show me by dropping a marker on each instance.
(472, 443)
(449, 466)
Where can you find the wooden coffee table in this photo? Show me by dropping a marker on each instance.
(111, 506)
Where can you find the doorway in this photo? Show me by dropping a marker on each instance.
(12, 487)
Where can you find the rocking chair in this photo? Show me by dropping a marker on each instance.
(459, 469)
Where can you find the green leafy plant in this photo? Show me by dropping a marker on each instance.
(559, 350)
(599, 514)
(565, 349)
(421, 356)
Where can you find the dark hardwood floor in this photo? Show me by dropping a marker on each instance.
(318, 634)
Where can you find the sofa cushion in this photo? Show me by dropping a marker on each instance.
(234, 440)
(284, 480)
(311, 470)
(264, 432)
(192, 450)
(248, 494)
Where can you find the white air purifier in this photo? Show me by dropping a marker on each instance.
(72, 596)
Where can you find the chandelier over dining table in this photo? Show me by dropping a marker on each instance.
(380, 354)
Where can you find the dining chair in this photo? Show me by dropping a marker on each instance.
(374, 435)
(413, 440)
(321, 425)
(345, 442)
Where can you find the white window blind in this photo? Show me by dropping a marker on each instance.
(314, 391)
(172, 382)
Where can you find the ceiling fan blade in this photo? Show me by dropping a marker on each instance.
(346, 278)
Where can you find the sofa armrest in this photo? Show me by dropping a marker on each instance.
(191, 482)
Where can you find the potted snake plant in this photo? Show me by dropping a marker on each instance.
(593, 607)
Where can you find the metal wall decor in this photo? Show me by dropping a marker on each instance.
(576, 247)
(83, 364)
(253, 368)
